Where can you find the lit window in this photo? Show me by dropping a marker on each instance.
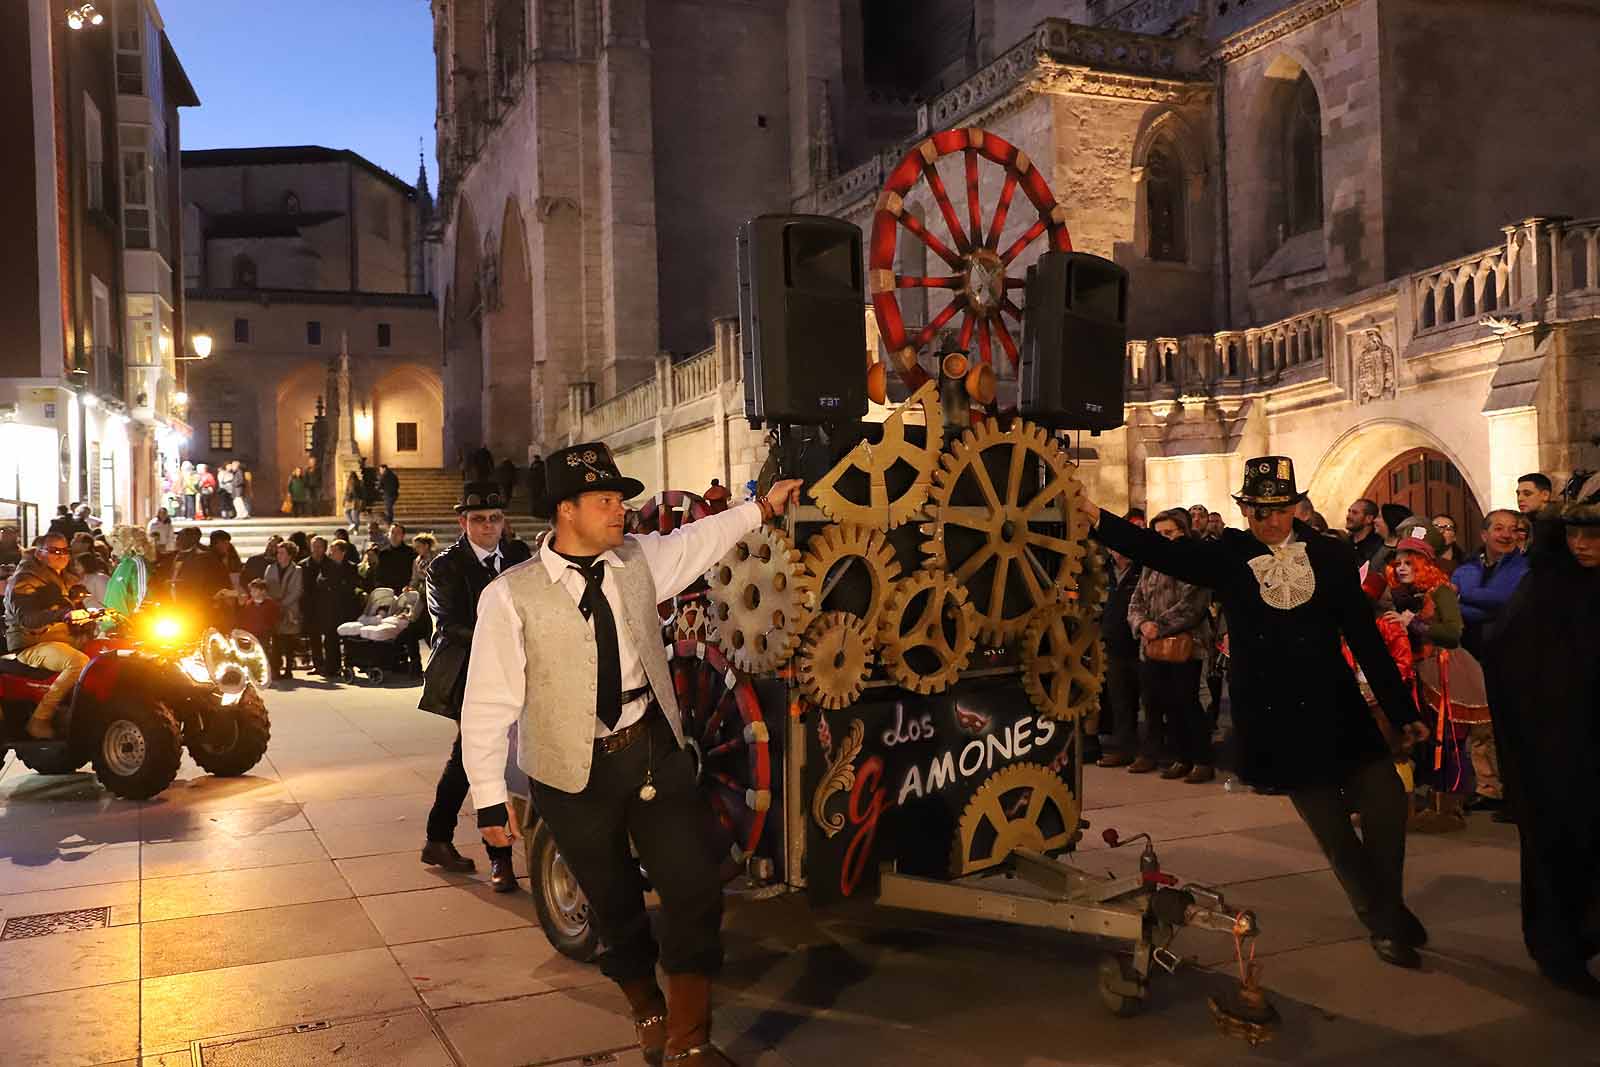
(405, 437)
(221, 435)
(308, 436)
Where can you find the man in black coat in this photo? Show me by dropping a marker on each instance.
(456, 578)
(395, 561)
(1300, 720)
(389, 489)
(1119, 710)
(317, 605)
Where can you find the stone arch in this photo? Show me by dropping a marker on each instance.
(1349, 463)
(508, 346)
(463, 341)
(1268, 119)
(1169, 165)
(408, 393)
(294, 405)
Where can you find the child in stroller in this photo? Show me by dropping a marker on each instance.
(385, 637)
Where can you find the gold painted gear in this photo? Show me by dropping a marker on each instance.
(873, 461)
(988, 511)
(927, 632)
(760, 609)
(835, 659)
(999, 819)
(837, 559)
(1063, 662)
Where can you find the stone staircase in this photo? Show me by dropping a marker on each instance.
(427, 502)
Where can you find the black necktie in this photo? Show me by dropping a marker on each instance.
(491, 561)
(596, 608)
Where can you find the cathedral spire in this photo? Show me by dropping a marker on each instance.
(423, 195)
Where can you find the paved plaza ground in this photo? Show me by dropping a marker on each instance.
(283, 918)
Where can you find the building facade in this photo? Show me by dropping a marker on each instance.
(1349, 235)
(94, 314)
(308, 267)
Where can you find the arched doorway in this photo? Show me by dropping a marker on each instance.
(408, 418)
(1429, 483)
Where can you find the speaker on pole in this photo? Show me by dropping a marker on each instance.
(802, 320)
(1074, 342)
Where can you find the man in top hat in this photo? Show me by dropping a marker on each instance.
(570, 650)
(1301, 722)
(457, 577)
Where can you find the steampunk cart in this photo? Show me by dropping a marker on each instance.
(887, 696)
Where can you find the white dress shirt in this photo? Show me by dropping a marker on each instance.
(497, 670)
(484, 553)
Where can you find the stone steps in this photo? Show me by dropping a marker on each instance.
(250, 535)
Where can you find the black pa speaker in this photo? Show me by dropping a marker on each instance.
(1074, 342)
(802, 320)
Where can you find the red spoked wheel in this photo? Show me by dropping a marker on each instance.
(668, 510)
(726, 734)
(980, 281)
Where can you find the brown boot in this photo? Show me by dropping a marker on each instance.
(649, 1008)
(689, 1023)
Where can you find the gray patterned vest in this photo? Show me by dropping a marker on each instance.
(556, 734)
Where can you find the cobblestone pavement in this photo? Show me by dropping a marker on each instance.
(283, 918)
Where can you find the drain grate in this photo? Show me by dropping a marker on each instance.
(56, 922)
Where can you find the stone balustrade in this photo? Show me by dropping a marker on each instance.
(1196, 363)
(1548, 267)
(628, 408)
(697, 376)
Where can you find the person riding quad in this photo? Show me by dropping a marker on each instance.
(40, 616)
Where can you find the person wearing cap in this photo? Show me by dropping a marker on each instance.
(1544, 684)
(570, 651)
(1301, 723)
(456, 578)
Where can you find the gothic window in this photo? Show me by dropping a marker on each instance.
(1303, 158)
(244, 272)
(510, 31)
(1164, 205)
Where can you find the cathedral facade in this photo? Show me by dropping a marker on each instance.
(1355, 233)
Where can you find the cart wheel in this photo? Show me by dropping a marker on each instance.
(558, 900)
(349, 675)
(376, 676)
(1121, 989)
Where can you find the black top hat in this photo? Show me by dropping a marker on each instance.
(480, 496)
(1269, 483)
(586, 468)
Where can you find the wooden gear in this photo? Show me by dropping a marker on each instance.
(984, 526)
(874, 460)
(835, 659)
(927, 632)
(841, 551)
(1063, 662)
(999, 819)
(760, 606)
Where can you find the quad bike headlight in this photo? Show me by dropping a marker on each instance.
(252, 657)
(233, 662)
(195, 669)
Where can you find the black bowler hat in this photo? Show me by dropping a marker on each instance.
(480, 496)
(1269, 483)
(586, 468)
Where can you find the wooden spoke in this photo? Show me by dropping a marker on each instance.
(974, 562)
(1007, 191)
(984, 352)
(999, 327)
(1009, 307)
(1023, 242)
(974, 213)
(910, 281)
(966, 330)
(936, 246)
(932, 329)
(936, 183)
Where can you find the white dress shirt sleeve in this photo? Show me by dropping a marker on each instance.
(678, 558)
(496, 681)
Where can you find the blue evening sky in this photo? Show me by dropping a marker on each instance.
(354, 74)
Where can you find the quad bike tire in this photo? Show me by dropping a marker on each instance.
(241, 748)
(137, 750)
(67, 762)
(562, 908)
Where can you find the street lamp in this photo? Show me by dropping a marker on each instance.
(83, 15)
(201, 343)
(180, 399)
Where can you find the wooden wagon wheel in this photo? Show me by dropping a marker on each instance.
(725, 732)
(979, 282)
(667, 511)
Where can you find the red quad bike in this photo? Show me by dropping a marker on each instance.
(150, 689)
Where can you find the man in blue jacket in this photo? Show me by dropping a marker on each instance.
(1486, 581)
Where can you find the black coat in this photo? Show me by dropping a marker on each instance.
(394, 567)
(455, 581)
(1114, 629)
(1299, 716)
(314, 604)
(389, 485)
(339, 591)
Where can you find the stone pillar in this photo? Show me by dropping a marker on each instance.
(1513, 451)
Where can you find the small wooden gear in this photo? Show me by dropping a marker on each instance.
(927, 632)
(850, 568)
(835, 659)
(1001, 818)
(992, 527)
(870, 504)
(760, 606)
(1063, 662)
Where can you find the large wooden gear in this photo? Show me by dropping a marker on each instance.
(983, 274)
(874, 506)
(988, 508)
(761, 608)
(1063, 662)
(835, 659)
(728, 738)
(927, 632)
(1001, 818)
(850, 568)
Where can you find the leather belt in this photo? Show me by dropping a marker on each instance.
(621, 739)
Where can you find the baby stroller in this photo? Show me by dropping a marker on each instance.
(384, 638)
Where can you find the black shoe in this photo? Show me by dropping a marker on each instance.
(1393, 951)
(443, 854)
(1412, 932)
(501, 876)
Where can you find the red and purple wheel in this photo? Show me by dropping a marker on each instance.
(981, 278)
(725, 732)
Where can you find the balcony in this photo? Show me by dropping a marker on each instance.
(104, 372)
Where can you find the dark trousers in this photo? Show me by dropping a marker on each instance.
(388, 509)
(325, 647)
(1176, 726)
(1371, 868)
(448, 796)
(282, 653)
(1119, 707)
(673, 834)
